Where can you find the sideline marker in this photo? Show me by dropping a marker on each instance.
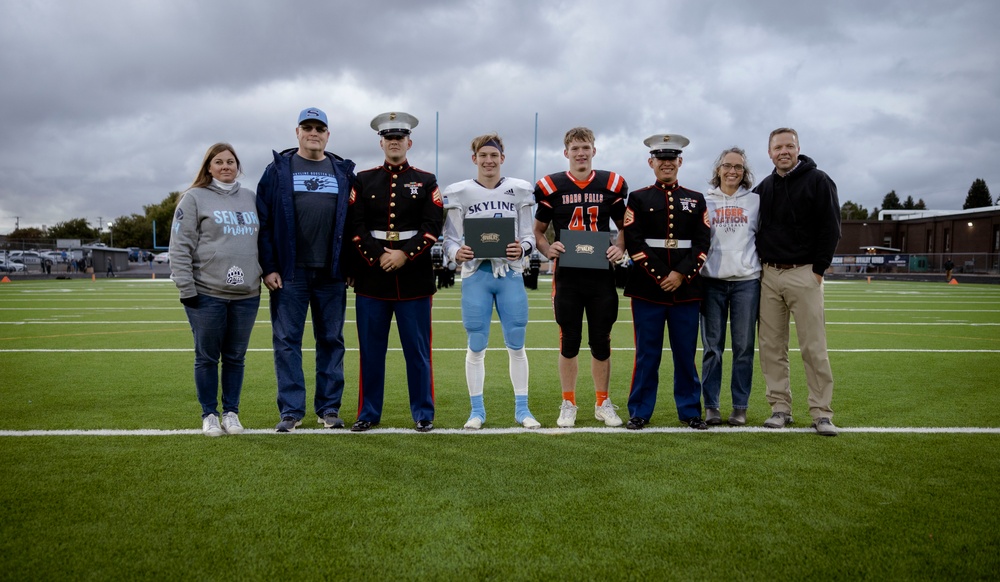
(154, 275)
(93, 276)
(5, 279)
(869, 280)
(953, 282)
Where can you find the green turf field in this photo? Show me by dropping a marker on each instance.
(880, 501)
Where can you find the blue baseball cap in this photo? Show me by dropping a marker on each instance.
(313, 114)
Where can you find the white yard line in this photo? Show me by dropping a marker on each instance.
(463, 350)
(506, 431)
(495, 321)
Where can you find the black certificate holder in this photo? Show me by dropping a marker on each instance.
(488, 237)
(585, 249)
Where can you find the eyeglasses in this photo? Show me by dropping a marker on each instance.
(316, 128)
(728, 167)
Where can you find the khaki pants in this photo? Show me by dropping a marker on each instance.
(795, 293)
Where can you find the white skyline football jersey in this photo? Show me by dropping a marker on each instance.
(512, 198)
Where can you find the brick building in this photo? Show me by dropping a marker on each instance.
(971, 238)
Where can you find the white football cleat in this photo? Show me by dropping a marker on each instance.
(530, 422)
(567, 415)
(606, 412)
(474, 423)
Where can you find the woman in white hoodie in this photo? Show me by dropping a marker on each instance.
(732, 284)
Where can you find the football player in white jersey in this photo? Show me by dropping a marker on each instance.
(486, 282)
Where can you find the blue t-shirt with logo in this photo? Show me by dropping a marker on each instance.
(316, 191)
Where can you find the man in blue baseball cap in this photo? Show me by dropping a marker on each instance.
(302, 205)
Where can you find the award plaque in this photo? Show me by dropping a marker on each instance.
(585, 249)
(488, 237)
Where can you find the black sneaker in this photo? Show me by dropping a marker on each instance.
(332, 420)
(424, 426)
(288, 424)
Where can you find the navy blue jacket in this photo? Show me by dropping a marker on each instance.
(276, 210)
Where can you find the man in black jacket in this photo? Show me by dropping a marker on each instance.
(798, 234)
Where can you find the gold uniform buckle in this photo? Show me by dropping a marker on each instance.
(670, 243)
(391, 235)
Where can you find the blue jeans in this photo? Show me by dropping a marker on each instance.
(328, 298)
(738, 301)
(221, 329)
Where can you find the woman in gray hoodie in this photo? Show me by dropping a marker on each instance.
(213, 262)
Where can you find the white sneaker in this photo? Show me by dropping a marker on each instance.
(606, 412)
(210, 426)
(231, 423)
(530, 422)
(474, 423)
(567, 415)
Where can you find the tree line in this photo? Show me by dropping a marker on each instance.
(135, 230)
(978, 197)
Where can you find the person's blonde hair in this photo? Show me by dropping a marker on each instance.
(204, 177)
(578, 134)
(782, 130)
(482, 140)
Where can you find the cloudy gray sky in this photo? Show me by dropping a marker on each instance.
(109, 105)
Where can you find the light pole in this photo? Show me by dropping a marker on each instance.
(112, 231)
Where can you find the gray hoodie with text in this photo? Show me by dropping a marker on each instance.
(213, 243)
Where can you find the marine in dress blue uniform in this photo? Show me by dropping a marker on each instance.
(667, 235)
(395, 217)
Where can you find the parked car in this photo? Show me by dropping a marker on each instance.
(134, 254)
(163, 257)
(9, 266)
(26, 257)
(54, 256)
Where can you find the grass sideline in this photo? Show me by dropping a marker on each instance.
(569, 505)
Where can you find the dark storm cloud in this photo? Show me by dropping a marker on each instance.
(109, 105)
